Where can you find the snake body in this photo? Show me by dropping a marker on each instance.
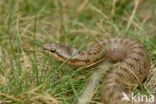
(132, 66)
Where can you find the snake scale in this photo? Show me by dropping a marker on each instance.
(133, 64)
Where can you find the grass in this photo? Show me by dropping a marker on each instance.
(28, 75)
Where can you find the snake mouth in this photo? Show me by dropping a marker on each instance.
(45, 50)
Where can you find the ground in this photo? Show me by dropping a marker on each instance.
(28, 75)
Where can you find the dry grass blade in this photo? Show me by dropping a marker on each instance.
(29, 98)
(133, 14)
(10, 97)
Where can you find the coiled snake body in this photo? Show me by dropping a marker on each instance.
(132, 67)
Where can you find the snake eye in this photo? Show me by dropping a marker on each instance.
(53, 50)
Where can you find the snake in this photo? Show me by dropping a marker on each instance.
(132, 64)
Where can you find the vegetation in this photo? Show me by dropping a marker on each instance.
(27, 75)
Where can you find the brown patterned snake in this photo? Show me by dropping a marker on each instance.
(132, 67)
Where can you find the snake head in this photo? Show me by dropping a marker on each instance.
(58, 51)
(52, 48)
